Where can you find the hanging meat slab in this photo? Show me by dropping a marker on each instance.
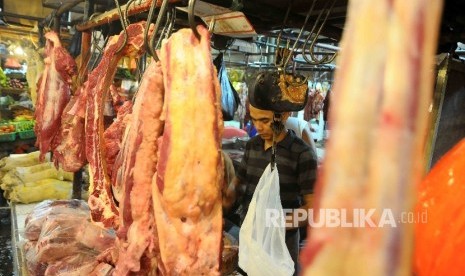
(186, 188)
(101, 203)
(374, 159)
(113, 136)
(54, 92)
(137, 238)
(68, 148)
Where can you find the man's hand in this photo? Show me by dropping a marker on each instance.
(230, 193)
(308, 204)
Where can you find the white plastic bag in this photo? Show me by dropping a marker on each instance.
(262, 243)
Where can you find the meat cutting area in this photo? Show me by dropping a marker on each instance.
(232, 137)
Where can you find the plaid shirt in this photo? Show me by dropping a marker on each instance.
(297, 166)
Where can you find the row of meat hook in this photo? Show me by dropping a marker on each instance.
(298, 36)
(313, 60)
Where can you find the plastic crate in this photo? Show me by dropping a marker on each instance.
(8, 137)
(28, 134)
(24, 124)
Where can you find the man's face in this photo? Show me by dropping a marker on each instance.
(262, 120)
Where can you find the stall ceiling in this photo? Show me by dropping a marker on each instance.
(55, 4)
(27, 8)
(267, 16)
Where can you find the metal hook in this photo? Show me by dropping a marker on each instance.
(168, 27)
(309, 37)
(149, 45)
(314, 60)
(161, 13)
(284, 64)
(261, 57)
(146, 31)
(191, 17)
(325, 59)
(126, 10)
(299, 35)
(278, 40)
(95, 41)
(99, 55)
(277, 126)
(173, 21)
(123, 24)
(50, 22)
(211, 26)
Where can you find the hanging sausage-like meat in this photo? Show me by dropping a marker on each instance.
(374, 159)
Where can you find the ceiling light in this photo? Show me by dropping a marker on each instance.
(19, 51)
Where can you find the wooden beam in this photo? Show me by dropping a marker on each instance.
(112, 15)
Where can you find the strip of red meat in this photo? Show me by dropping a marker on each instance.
(54, 92)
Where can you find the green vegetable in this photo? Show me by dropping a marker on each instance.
(24, 125)
(3, 78)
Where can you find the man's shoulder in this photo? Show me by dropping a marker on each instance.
(256, 140)
(303, 150)
(298, 145)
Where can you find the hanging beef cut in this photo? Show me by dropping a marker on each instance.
(186, 188)
(374, 158)
(137, 238)
(103, 209)
(68, 148)
(113, 136)
(54, 91)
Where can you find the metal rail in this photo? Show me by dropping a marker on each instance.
(56, 14)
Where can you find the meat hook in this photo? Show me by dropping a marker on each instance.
(146, 31)
(277, 126)
(168, 27)
(151, 46)
(314, 60)
(282, 62)
(299, 35)
(126, 10)
(191, 17)
(211, 26)
(160, 16)
(123, 24)
(278, 40)
(100, 52)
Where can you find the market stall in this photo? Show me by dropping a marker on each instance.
(116, 155)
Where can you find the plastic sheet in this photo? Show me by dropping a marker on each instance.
(41, 190)
(20, 160)
(262, 245)
(80, 264)
(229, 97)
(35, 219)
(34, 267)
(63, 241)
(58, 237)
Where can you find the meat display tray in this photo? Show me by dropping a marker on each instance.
(18, 216)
